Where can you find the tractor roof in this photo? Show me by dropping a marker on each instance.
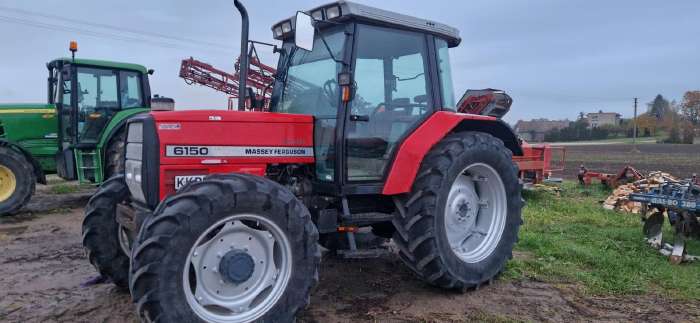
(350, 10)
(100, 63)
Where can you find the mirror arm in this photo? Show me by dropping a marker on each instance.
(275, 49)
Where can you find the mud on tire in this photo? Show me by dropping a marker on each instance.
(25, 180)
(421, 236)
(163, 247)
(101, 232)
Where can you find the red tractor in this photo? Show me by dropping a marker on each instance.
(219, 214)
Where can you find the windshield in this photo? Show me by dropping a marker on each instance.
(310, 86)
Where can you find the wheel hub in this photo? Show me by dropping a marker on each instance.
(8, 183)
(475, 213)
(237, 266)
(237, 269)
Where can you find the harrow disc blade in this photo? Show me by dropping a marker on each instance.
(652, 229)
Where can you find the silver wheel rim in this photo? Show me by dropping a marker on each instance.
(211, 296)
(124, 241)
(475, 213)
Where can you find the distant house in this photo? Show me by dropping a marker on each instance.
(601, 118)
(535, 130)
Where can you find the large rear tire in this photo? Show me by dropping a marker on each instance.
(232, 248)
(457, 227)
(114, 156)
(17, 181)
(103, 237)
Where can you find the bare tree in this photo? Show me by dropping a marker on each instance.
(690, 107)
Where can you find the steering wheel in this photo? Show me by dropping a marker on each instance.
(330, 90)
(380, 108)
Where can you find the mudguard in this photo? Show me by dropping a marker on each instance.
(411, 152)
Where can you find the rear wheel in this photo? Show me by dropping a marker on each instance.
(114, 156)
(233, 248)
(458, 226)
(104, 239)
(17, 181)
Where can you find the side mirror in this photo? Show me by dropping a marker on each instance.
(304, 32)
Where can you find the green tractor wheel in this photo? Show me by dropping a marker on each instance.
(114, 155)
(17, 181)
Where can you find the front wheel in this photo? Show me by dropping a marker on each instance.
(233, 248)
(457, 227)
(104, 239)
(17, 181)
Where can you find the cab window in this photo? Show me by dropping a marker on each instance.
(130, 89)
(97, 101)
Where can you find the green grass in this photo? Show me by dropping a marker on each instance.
(64, 188)
(573, 239)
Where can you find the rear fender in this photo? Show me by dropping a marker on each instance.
(116, 124)
(412, 151)
(38, 172)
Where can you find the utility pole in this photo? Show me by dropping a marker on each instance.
(634, 130)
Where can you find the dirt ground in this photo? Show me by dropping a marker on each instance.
(43, 272)
(679, 160)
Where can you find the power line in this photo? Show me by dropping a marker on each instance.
(117, 28)
(98, 34)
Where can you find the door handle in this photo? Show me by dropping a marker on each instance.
(355, 117)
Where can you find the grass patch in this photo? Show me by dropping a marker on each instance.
(64, 188)
(573, 239)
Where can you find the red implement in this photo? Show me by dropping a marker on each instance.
(536, 162)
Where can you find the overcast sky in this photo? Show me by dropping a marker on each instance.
(555, 58)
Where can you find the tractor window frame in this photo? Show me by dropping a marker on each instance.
(446, 81)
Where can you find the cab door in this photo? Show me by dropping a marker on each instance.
(392, 97)
(97, 102)
(63, 97)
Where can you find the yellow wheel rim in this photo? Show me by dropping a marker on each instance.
(8, 183)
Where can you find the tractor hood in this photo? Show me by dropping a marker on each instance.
(33, 126)
(174, 146)
(217, 128)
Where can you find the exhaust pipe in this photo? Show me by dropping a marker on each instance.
(243, 73)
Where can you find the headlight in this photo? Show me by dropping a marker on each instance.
(135, 132)
(333, 12)
(133, 163)
(317, 15)
(286, 27)
(278, 31)
(134, 179)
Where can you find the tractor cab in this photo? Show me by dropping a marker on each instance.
(89, 95)
(368, 77)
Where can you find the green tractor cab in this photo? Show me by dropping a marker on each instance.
(78, 134)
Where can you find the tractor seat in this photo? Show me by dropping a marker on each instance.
(372, 147)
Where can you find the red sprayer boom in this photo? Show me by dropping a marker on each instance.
(260, 78)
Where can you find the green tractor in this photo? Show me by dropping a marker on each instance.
(78, 134)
